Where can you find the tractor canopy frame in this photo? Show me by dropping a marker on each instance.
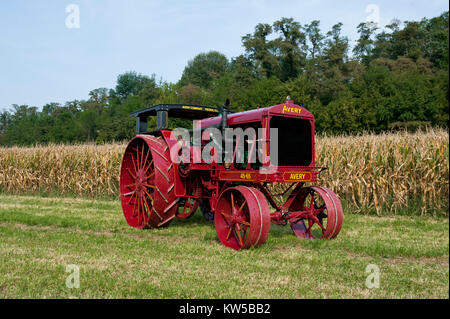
(164, 111)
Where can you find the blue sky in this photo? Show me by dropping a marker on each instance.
(41, 60)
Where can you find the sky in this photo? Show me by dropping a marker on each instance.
(58, 51)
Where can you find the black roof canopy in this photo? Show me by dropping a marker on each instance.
(163, 111)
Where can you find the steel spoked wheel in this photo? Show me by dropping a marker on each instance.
(321, 213)
(242, 218)
(187, 207)
(147, 183)
(137, 184)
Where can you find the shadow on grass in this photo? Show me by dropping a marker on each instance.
(198, 221)
(195, 220)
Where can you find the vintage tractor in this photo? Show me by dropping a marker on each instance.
(164, 176)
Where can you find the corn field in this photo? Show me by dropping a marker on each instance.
(391, 172)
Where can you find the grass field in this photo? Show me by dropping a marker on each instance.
(40, 236)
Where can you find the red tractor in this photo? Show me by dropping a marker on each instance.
(164, 176)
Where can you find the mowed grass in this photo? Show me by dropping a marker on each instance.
(40, 236)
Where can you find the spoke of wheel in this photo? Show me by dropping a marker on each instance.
(318, 223)
(142, 157)
(146, 156)
(225, 216)
(232, 202)
(138, 210)
(129, 186)
(150, 176)
(132, 195)
(315, 205)
(151, 186)
(245, 233)
(149, 165)
(310, 224)
(134, 164)
(128, 194)
(245, 223)
(148, 207)
(143, 210)
(141, 215)
(238, 233)
(320, 216)
(145, 161)
(321, 221)
(226, 221)
(230, 228)
(150, 196)
(137, 154)
(186, 205)
(132, 175)
(242, 206)
(134, 206)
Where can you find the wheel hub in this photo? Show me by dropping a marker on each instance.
(237, 218)
(141, 180)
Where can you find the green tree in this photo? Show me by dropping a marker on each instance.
(291, 57)
(204, 69)
(315, 39)
(365, 44)
(131, 84)
(261, 51)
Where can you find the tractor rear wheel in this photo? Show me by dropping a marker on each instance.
(146, 183)
(324, 213)
(242, 217)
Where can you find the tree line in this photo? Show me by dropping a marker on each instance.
(393, 78)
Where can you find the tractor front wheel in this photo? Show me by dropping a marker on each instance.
(322, 213)
(242, 217)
